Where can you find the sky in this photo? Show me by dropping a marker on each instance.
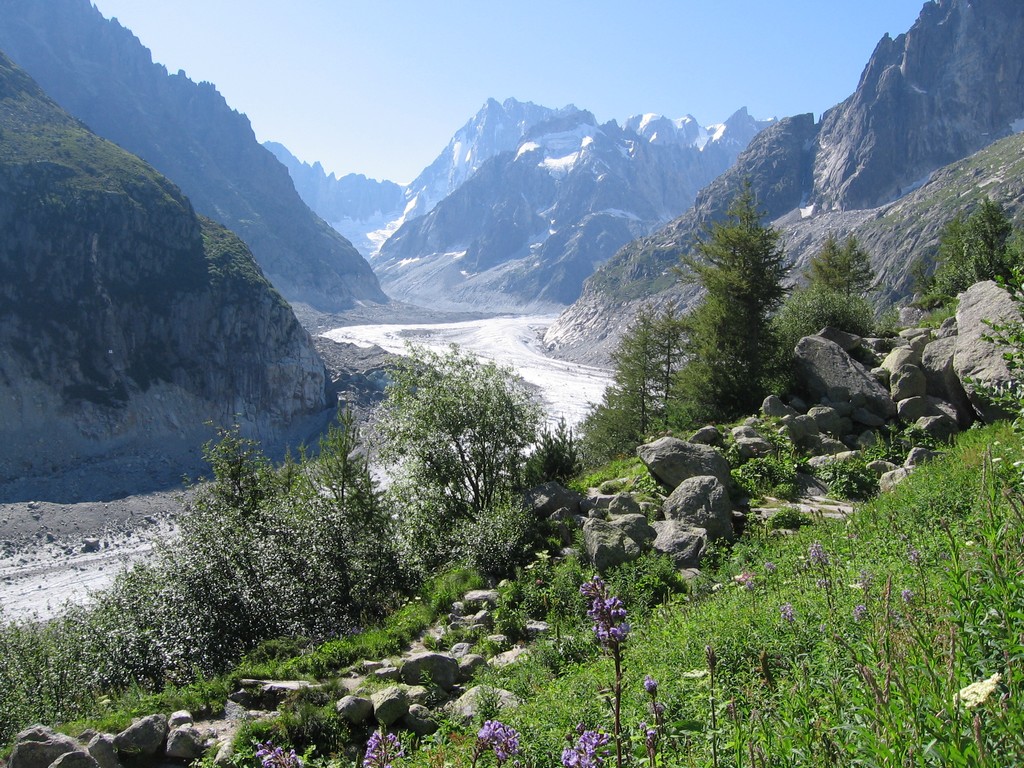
(379, 87)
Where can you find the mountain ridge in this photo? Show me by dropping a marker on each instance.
(101, 73)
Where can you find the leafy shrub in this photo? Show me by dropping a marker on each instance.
(557, 457)
(501, 538)
(767, 476)
(807, 311)
(788, 518)
(849, 479)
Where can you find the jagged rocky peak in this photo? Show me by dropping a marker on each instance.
(952, 84)
(496, 128)
(128, 321)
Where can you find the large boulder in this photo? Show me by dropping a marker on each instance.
(551, 497)
(608, 545)
(77, 759)
(103, 751)
(353, 709)
(636, 527)
(479, 698)
(979, 363)
(684, 544)
(942, 381)
(671, 460)
(822, 366)
(38, 746)
(185, 743)
(145, 736)
(907, 381)
(390, 705)
(438, 668)
(701, 502)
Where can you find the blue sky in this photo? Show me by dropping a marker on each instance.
(379, 86)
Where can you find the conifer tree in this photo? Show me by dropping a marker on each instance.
(841, 268)
(731, 349)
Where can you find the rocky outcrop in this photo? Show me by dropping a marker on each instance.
(100, 73)
(671, 461)
(128, 321)
(978, 363)
(949, 87)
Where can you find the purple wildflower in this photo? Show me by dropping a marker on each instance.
(769, 567)
(502, 739)
(914, 555)
(608, 613)
(275, 757)
(786, 610)
(658, 708)
(907, 595)
(651, 685)
(818, 554)
(590, 751)
(823, 583)
(860, 612)
(745, 580)
(650, 737)
(381, 750)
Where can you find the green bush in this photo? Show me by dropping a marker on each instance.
(849, 478)
(501, 538)
(807, 311)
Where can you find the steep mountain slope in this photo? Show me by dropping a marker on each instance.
(530, 225)
(950, 86)
(361, 209)
(99, 72)
(126, 320)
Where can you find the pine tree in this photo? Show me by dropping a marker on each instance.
(844, 269)
(731, 349)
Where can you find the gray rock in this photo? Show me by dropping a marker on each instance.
(826, 419)
(77, 759)
(481, 596)
(179, 718)
(431, 668)
(509, 657)
(947, 330)
(548, 498)
(754, 447)
(682, 543)
(867, 418)
(636, 527)
(671, 461)
(907, 381)
(390, 705)
(102, 749)
(974, 359)
(702, 502)
(880, 467)
(942, 381)
(418, 694)
(38, 746)
(469, 664)
(918, 456)
(235, 712)
(623, 504)
(848, 341)
(745, 431)
(473, 701)
(940, 427)
(881, 375)
(387, 672)
(822, 365)
(459, 650)
(91, 544)
(354, 709)
(420, 720)
(899, 357)
(890, 480)
(913, 408)
(185, 743)
(774, 407)
(608, 545)
(798, 404)
(708, 435)
(144, 736)
(535, 628)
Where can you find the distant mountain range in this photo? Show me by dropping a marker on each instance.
(129, 325)
(100, 73)
(949, 87)
(524, 202)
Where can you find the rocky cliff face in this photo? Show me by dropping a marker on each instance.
(126, 320)
(530, 225)
(100, 73)
(950, 86)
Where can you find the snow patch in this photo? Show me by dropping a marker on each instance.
(807, 212)
(529, 146)
(559, 166)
